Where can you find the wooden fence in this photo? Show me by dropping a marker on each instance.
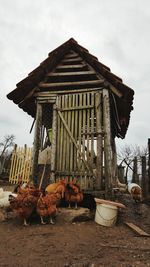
(21, 164)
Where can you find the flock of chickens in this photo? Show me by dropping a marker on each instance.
(29, 199)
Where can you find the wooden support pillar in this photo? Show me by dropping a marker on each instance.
(99, 161)
(53, 152)
(114, 163)
(37, 143)
(135, 178)
(107, 143)
(149, 166)
(144, 181)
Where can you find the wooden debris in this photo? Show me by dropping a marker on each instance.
(137, 229)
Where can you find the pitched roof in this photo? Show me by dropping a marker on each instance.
(83, 64)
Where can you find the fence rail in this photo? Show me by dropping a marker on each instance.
(21, 164)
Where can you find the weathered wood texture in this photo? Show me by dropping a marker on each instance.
(37, 143)
(107, 143)
(137, 229)
(144, 181)
(135, 177)
(53, 152)
(149, 166)
(76, 113)
(21, 164)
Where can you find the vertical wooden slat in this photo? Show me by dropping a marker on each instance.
(76, 133)
(83, 136)
(79, 133)
(88, 137)
(54, 136)
(92, 128)
(68, 137)
(58, 158)
(13, 160)
(98, 103)
(64, 144)
(72, 131)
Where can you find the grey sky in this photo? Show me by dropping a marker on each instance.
(115, 31)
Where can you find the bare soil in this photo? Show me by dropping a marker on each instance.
(78, 244)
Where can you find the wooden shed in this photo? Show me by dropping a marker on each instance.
(79, 107)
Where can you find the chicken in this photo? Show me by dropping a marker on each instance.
(73, 193)
(24, 203)
(46, 206)
(4, 198)
(136, 191)
(58, 187)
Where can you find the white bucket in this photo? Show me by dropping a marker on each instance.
(106, 214)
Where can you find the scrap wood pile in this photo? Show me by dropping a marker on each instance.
(28, 199)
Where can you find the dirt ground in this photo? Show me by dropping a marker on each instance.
(78, 244)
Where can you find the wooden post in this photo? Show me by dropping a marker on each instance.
(99, 161)
(135, 178)
(144, 177)
(107, 144)
(114, 163)
(37, 143)
(53, 152)
(149, 166)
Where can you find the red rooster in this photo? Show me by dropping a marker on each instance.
(73, 193)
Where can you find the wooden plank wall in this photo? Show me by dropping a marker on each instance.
(76, 137)
(21, 164)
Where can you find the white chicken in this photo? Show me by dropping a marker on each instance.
(4, 198)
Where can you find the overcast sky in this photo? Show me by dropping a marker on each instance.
(115, 31)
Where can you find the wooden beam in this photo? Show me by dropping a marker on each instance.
(75, 66)
(57, 74)
(137, 229)
(61, 92)
(72, 59)
(47, 85)
(72, 55)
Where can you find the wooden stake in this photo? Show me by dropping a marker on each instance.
(36, 145)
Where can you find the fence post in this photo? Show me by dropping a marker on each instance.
(135, 177)
(149, 165)
(144, 177)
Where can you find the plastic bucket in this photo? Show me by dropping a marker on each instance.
(106, 214)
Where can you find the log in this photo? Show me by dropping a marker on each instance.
(72, 73)
(107, 143)
(47, 85)
(37, 142)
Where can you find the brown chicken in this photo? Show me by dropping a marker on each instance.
(58, 187)
(46, 206)
(73, 193)
(24, 204)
